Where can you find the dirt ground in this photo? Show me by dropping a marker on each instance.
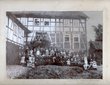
(61, 72)
(14, 71)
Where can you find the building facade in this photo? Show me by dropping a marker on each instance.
(65, 29)
(15, 40)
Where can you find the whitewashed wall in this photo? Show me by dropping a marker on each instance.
(14, 33)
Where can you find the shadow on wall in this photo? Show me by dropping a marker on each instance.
(12, 54)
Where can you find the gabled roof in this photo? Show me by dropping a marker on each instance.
(51, 14)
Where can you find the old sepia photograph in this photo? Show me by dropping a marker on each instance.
(54, 44)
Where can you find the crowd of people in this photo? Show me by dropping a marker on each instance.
(54, 56)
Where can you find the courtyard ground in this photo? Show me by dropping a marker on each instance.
(52, 72)
(14, 71)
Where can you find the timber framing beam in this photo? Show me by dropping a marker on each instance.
(14, 19)
(51, 14)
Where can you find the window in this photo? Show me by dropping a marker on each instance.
(46, 23)
(76, 39)
(76, 42)
(37, 22)
(66, 22)
(52, 20)
(67, 38)
(76, 23)
(15, 29)
(67, 42)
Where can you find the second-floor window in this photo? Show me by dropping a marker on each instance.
(37, 22)
(46, 23)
